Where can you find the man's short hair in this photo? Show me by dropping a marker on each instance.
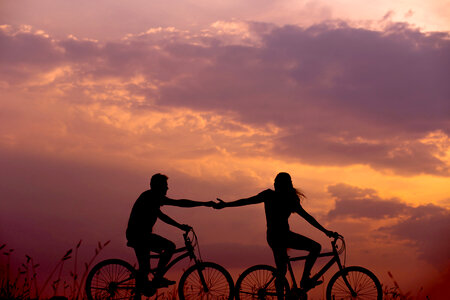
(157, 180)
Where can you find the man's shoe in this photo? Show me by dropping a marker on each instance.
(148, 290)
(162, 282)
(146, 287)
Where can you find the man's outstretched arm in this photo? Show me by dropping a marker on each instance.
(241, 202)
(186, 203)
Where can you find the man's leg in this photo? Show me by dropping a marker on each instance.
(166, 249)
(143, 257)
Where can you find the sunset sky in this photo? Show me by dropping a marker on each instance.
(352, 98)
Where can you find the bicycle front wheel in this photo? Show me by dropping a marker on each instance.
(258, 282)
(111, 279)
(354, 283)
(206, 280)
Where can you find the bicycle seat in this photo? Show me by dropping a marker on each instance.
(133, 244)
(153, 254)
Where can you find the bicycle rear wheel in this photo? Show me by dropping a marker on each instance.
(112, 279)
(365, 285)
(258, 282)
(206, 280)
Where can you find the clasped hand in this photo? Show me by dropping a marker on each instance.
(216, 205)
(219, 205)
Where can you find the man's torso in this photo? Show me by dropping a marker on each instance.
(143, 215)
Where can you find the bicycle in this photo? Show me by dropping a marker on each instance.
(116, 278)
(258, 282)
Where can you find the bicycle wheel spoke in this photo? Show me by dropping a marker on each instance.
(257, 282)
(98, 288)
(207, 281)
(111, 279)
(362, 282)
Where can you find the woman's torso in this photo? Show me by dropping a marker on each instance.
(278, 207)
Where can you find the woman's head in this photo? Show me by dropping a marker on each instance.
(283, 184)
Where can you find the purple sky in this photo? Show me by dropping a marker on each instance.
(97, 97)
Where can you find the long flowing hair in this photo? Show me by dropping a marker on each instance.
(283, 184)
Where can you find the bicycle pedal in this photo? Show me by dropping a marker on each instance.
(148, 291)
(317, 282)
(163, 283)
(297, 294)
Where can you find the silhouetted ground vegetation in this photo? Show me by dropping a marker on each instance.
(66, 280)
(395, 292)
(22, 283)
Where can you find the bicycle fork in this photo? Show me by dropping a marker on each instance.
(202, 278)
(344, 276)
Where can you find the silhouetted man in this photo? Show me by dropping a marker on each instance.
(140, 234)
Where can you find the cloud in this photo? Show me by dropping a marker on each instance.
(428, 227)
(336, 94)
(341, 95)
(358, 203)
(425, 226)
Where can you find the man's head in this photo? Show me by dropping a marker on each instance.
(158, 183)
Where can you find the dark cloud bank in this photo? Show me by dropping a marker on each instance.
(340, 95)
(426, 227)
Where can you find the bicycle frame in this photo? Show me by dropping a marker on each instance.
(335, 259)
(187, 251)
(113, 277)
(265, 281)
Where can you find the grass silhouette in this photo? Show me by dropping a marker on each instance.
(396, 293)
(23, 283)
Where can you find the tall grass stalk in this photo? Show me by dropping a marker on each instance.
(24, 283)
(60, 264)
(396, 293)
(87, 267)
(74, 273)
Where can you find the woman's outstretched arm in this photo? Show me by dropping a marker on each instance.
(186, 202)
(241, 202)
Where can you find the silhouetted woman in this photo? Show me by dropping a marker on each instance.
(278, 205)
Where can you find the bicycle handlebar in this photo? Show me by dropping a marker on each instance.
(186, 233)
(191, 243)
(335, 245)
(336, 238)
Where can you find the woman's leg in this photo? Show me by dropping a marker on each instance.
(280, 256)
(300, 242)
